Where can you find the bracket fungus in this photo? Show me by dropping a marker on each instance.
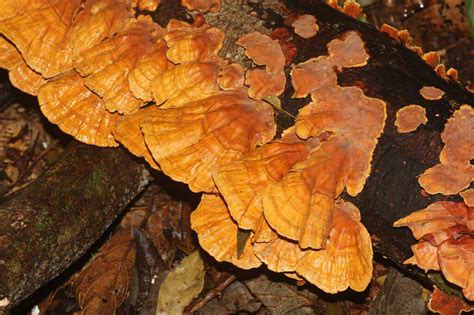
(431, 93)
(67, 102)
(217, 233)
(305, 26)
(408, 118)
(106, 77)
(455, 172)
(190, 141)
(264, 51)
(445, 230)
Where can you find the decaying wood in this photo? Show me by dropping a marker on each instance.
(47, 226)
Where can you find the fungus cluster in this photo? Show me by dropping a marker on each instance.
(107, 78)
(445, 233)
(445, 229)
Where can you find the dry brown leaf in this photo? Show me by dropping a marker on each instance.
(127, 131)
(102, 285)
(190, 142)
(217, 233)
(305, 26)
(181, 285)
(77, 111)
(263, 50)
(42, 36)
(455, 172)
(410, 117)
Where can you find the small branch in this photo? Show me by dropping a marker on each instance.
(213, 293)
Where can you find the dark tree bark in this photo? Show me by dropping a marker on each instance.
(47, 226)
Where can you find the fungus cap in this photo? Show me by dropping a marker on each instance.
(409, 117)
(217, 233)
(190, 142)
(77, 111)
(127, 131)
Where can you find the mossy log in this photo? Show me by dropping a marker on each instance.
(51, 223)
(48, 225)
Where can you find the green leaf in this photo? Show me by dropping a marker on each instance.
(470, 14)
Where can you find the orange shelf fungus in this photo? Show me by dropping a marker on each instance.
(185, 83)
(311, 75)
(455, 171)
(191, 43)
(262, 83)
(10, 57)
(431, 93)
(189, 142)
(241, 182)
(202, 5)
(146, 70)
(348, 51)
(263, 50)
(432, 58)
(456, 259)
(217, 233)
(424, 256)
(25, 79)
(127, 131)
(300, 206)
(107, 65)
(97, 21)
(347, 260)
(42, 36)
(410, 117)
(447, 244)
(468, 196)
(148, 5)
(77, 111)
(305, 26)
(21, 76)
(436, 217)
(231, 77)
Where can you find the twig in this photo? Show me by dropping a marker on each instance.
(214, 292)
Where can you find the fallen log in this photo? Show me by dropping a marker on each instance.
(47, 226)
(51, 223)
